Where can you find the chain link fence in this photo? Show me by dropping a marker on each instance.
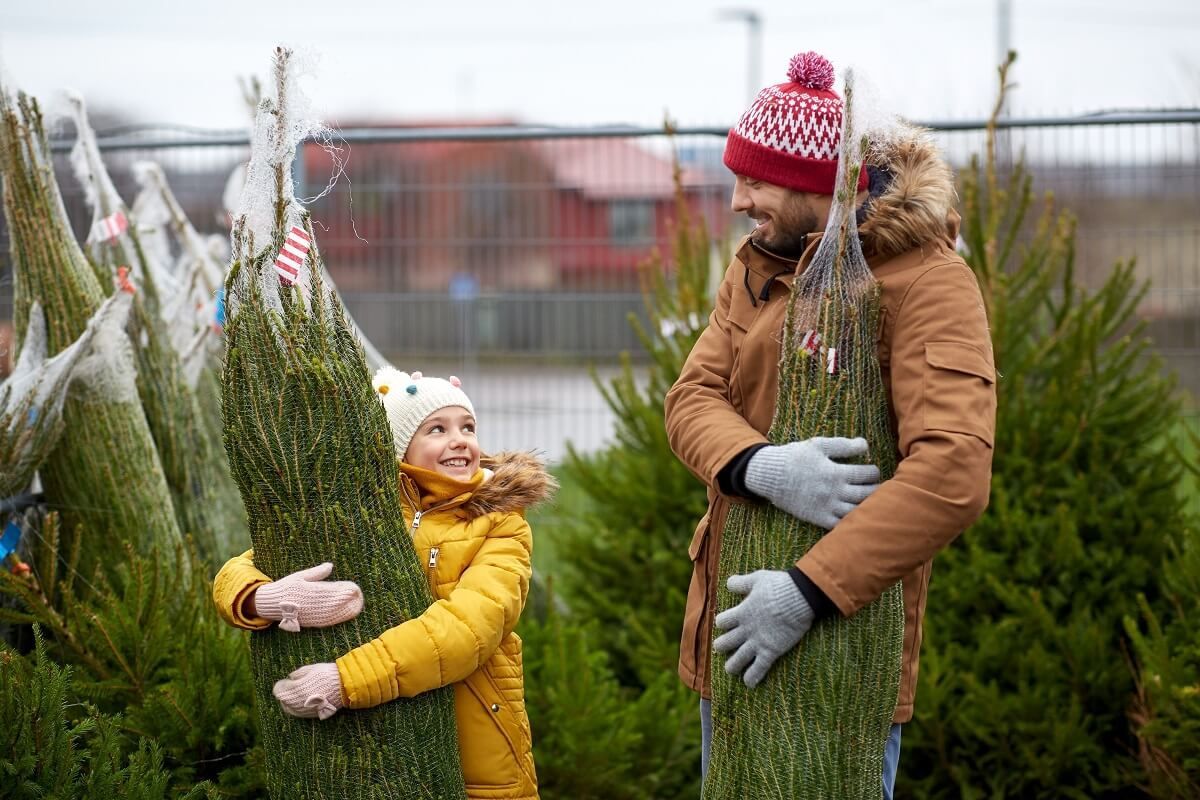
(510, 255)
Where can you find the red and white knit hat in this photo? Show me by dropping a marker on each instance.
(792, 133)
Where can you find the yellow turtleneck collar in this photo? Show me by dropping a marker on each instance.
(437, 489)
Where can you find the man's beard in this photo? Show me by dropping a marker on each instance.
(790, 230)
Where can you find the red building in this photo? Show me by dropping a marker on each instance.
(533, 214)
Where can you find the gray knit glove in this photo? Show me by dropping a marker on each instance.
(802, 478)
(768, 623)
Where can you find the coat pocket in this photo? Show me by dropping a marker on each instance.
(494, 736)
(959, 390)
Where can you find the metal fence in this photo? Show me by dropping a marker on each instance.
(509, 255)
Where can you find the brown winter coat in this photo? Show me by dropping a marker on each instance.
(936, 355)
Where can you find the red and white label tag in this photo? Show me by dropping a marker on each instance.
(291, 256)
(812, 342)
(109, 228)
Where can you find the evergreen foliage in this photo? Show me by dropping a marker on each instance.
(595, 739)
(1166, 708)
(105, 472)
(313, 456)
(624, 555)
(1024, 684)
(147, 645)
(51, 747)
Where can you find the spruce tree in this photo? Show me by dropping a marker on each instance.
(1024, 684)
(594, 738)
(1166, 650)
(625, 570)
(313, 456)
(147, 646)
(104, 473)
(49, 751)
(624, 554)
(817, 725)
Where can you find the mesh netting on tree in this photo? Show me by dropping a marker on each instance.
(816, 727)
(31, 398)
(205, 500)
(313, 455)
(192, 314)
(105, 473)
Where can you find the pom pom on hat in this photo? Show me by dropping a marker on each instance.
(812, 70)
(791, 136)
(421, 397)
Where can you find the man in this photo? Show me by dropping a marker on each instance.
(936, 359)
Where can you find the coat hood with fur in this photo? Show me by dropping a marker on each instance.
(518, 481)
(912, 195)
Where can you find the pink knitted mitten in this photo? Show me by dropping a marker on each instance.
(311, 691)
(306, 599)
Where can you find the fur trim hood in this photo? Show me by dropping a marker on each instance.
(517, 481)
(912, 195)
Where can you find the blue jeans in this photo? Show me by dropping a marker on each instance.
(891, 752)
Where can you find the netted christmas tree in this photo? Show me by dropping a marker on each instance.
(105, 473)
(817, 725)
(313, 455)
(31, 399)
(205, 499)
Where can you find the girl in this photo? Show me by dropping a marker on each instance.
(469, 529)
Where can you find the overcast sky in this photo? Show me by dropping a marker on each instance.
(605, 61)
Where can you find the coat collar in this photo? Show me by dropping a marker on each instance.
(509, 481)
(436, 489)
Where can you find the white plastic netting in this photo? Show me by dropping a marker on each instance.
(192, 314)
(107, 372)
(31, 399)
(107, 206)
(269, 176)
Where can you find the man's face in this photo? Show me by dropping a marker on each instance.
(784, 216)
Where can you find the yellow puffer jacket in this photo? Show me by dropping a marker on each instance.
(476, 546)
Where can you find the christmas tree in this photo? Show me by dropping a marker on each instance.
(313, 455)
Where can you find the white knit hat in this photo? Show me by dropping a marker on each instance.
(409, 399)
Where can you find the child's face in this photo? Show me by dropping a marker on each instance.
(445, 442)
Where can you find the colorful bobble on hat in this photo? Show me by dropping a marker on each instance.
(411, 389)
(416, 376)
(454, 381)
(812, 70)
(382, 389)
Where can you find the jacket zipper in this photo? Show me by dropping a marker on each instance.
(431, 570)
(431, 564)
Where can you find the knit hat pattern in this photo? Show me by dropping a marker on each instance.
(409, 398)
(792, 133)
